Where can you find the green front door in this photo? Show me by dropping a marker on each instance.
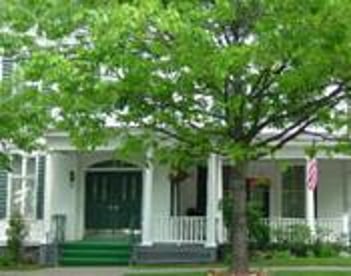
(113, 200)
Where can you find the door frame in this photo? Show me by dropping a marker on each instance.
(109, 169)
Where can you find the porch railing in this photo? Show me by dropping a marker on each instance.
(179, 229)
(329, 229)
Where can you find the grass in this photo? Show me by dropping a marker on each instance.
(310, 261)
(20, 267)
(306, 261)
(278, 273)
(311, 273)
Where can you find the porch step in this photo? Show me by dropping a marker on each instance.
(95, 253)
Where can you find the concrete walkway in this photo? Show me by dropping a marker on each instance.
(60, 271)
(120, 271)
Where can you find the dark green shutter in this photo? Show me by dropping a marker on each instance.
(7, 68)
(3, 193)
(40, 187)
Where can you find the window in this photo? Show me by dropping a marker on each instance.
(23, 188)
(293, 192)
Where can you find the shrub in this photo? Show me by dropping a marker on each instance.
(258, 230)
(325, 249)
(295, 238)
(5, 261)
(16, 234)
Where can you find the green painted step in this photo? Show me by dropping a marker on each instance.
(93, 262)
(95, 253)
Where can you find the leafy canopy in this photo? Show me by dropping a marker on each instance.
(240, 78)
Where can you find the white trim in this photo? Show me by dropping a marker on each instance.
(24, 183)
(147, 197)
(36, 186)
(212, 201)
(121, 169)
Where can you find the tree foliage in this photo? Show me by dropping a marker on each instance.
(240, 78)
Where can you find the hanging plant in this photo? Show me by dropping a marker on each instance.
(258, 181)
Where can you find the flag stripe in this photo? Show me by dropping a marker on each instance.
(312, 174)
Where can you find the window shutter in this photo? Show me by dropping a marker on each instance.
(3, 193)
(6, 68)
(40, 187)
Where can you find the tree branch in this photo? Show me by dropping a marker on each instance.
(307, 109)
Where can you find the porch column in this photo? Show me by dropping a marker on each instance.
(310, 205)
(146, 235)
(48, 193)
(346, 203)
(211, 210)
(220, 228)
(346, 228)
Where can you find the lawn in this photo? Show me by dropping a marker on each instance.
(20, 267)
(310, 273)
(308, 261)
(280, 273)
(277, 273)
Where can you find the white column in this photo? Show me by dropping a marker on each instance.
(346, 216)
(146, 236)
(211, 210)
(345, 228)
(220, 221)
(48, 193)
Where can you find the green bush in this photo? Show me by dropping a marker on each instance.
(5, 261)
(325, 249)
(295, 238)
(16, 234)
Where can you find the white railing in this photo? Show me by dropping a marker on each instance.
(36, 231)
(283, 223)
(179, 229)
(330, 229)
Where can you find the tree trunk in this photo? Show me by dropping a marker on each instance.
(240, 261)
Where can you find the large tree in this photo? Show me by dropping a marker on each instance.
(240, 78)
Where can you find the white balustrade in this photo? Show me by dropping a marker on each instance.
(330, 229)
(179, 229)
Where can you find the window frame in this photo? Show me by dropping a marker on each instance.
(297, 191)
(23, 177)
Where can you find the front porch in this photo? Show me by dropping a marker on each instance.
(100, 197)
(189, 216)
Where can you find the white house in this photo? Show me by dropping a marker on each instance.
(103, 198)
(94, 201)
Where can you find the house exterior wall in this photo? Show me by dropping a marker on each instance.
(333, 181)
(64, 192)
(161, 192)
(334, 188)
(73, 193)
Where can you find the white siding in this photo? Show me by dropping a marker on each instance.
(63, 198)
(330, 189)
(161, 192)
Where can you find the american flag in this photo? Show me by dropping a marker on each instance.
(312, 174)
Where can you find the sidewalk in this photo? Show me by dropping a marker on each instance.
(120, 271)
(75, 271)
